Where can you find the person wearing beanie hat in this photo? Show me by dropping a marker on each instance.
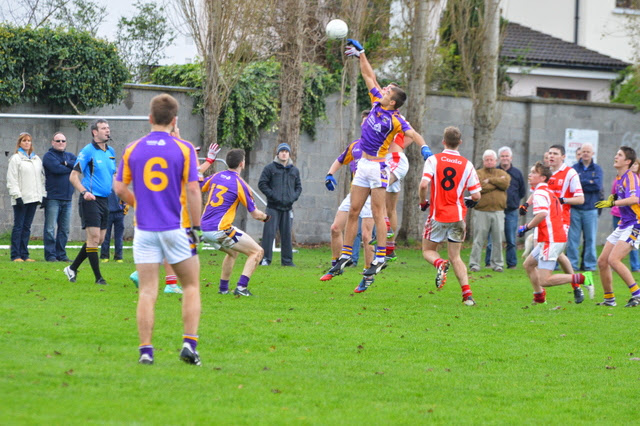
(280, 182)
(284, 147)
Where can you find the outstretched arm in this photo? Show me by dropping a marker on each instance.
(368, 75)
(354, 48)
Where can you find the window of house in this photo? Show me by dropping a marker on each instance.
(576, 95)
(628, 4)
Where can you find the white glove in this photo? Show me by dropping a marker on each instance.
(214, 149)
(352, 51)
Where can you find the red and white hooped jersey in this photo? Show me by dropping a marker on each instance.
(565, 183)
(551, 229)
(450, 175)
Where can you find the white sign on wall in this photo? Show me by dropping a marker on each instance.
(574, 138)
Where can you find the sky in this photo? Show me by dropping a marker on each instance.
(183, 49)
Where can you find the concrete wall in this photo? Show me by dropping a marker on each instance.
(529, 126)
(135, 103)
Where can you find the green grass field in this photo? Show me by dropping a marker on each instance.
(306, 352)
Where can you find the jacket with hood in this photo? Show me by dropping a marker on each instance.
(25, 178)
(281, 184)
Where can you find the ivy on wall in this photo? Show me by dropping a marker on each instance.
(67, 68)
(252, 105)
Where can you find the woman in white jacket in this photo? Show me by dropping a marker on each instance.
(25, 180)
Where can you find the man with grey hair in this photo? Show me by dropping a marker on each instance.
(515, 193)
(488, 215)
(584, 217)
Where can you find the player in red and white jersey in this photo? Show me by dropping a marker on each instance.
(552, 238)
(565, 183)
(446, 176)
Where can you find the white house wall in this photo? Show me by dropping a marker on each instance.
(527, 85)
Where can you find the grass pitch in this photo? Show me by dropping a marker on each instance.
(306, 352)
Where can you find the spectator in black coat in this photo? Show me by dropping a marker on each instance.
(280, 182)
(57, 163)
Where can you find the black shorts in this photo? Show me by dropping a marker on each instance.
(94, 214)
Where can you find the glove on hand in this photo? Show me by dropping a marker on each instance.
(352, 51)
(523, 209)
(214, 149)
(608, 202)
(330, 182)
(19, 202)
(356, 44)
(424, 206)
(195, 236)
(426, 152)
(522, 230)
(469, 203)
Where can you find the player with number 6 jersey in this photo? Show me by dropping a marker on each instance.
(447, 176)
(159, 179)
(163, 171)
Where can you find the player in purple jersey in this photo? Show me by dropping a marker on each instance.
(225, 191)
(380, 127)
(349, 156)
(626, 236)
(163, 172)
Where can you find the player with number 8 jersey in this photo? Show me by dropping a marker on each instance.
(452, 174)
(446, 176)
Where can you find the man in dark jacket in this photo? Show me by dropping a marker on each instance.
(57, 163)
(280, 182)
(117, 211)
(584, 217)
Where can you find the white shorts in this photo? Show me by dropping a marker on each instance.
(399, 166)
(155, 246)
(629, 235)
(439, 231)
(365, 213)
(223, 239)
(547, 254)
(371, 174)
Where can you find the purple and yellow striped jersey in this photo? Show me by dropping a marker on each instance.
(159, 166)
(351, 155)
(225, 191)
(380, 127)
(627, 186)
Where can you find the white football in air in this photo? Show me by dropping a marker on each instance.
(337, 29)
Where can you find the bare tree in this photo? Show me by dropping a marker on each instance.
(426, 16)
(228, 35)
(475, 26)
(291, 29)
(36, 13)
(82, 15)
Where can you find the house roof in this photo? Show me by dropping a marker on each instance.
(526, 46)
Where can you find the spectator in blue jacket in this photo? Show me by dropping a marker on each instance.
(57, 163)
(584, 218)
(516, 191)
(117, 210)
